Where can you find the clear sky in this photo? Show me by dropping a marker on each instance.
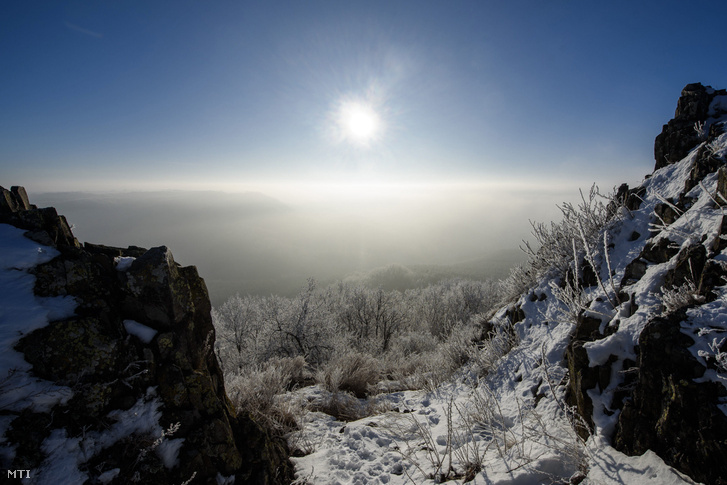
(224, 94)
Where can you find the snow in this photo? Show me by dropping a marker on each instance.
(611, 466)
(65, 453)
(21, 312)
(140, 331)
(108, 477)
(123, 263)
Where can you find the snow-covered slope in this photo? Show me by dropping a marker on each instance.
(536, 417)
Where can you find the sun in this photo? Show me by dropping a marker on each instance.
(358, 123)
(361, 122)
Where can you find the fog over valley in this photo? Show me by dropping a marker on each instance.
(395, 235)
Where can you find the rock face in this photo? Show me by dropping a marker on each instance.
(667, 400)
(669, 412)
(141, 338)
(695, 108)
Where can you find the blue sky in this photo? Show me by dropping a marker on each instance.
(222, 94)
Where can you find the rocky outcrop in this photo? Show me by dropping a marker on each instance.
(693, 121)
(662, 393)
(141, 337)
(669, 411)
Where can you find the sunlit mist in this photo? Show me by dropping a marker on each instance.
(270, 237)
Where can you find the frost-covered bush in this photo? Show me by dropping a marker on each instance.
(319, 324)
(369, 318)
(344, 406)
(257, 392)
(351, 338)
(715, 353)
(354, 372)
(581, 224)
(521, 278)
(500, 341)
(701, 129)
(442, 307)
(413, 342)
(459, 348)
(299, 326)
(680, 296)
(240, 329)
(409, 371)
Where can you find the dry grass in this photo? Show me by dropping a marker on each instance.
(354, 372)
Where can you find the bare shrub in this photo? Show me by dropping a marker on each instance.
(258, 393)
(240, 328)
(442, 307)
(678, 297)
(407, 372)
(715, 353)
(344, 406)
(478, 431)
(582, 223)
(459, 348)
(413, 342)
(352, 371)
(521, 278)
(501, 339)
(370, 317)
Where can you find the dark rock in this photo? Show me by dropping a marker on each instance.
(43, 225)
(678, 137)
(689, 265)
(629, 198)
(704, 163)
(693, 103)
(515, 314)
(633, 272)
(21, 196)
(714, 274)
(720, 243)
(635, 236)
(666, 213)
(156, 290)
(721, 194)
(27, 431)
(660, 251)
(588, 275)
(668, 412)
(583, 377)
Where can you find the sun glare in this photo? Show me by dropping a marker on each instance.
(361, 122)
(358, 123)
